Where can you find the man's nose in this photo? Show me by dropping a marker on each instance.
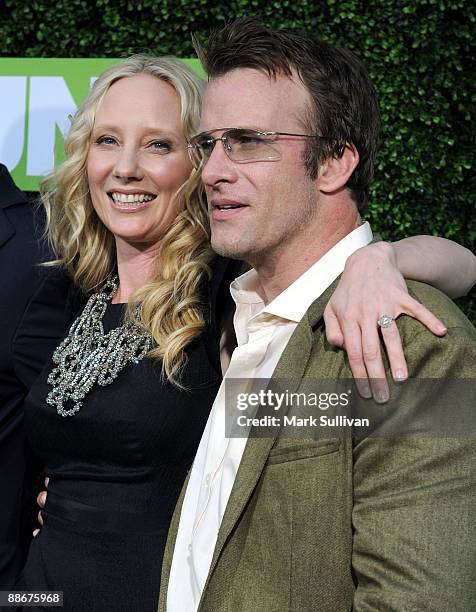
(219, 167)
(128, 166)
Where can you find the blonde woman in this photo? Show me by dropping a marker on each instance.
(118, 415)
(117, 431)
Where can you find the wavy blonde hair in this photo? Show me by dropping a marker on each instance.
(171, 302)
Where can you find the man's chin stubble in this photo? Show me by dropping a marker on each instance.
(233, 251)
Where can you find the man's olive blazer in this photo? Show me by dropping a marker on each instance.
(333, 525)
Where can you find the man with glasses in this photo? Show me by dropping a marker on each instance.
(327, 523)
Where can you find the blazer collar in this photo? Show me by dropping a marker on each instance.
(291, 367)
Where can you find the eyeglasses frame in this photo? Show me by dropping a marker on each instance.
(223, 138)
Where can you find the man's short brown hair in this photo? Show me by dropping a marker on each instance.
(344, 104)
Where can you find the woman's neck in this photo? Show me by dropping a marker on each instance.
(135, 267)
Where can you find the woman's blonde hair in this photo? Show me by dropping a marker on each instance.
(171, 302)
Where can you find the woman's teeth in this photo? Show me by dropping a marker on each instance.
(131, 198)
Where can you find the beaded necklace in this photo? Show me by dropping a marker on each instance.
(88, 356)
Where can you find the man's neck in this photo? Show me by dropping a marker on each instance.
(278, 270)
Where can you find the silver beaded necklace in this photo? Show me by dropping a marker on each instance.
(88, 356)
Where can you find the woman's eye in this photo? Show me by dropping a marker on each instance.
(161, 145)
(106, 140)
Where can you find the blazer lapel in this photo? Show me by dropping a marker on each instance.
(291, 367)
(6, 228)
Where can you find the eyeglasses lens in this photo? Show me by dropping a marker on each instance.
(248, 145)
(239, 144)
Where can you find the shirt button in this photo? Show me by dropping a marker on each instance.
(208, 478)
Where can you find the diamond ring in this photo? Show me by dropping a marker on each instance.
(385, 320)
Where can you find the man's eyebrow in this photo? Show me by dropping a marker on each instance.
(253, 128)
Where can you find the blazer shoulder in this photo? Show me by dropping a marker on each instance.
(450, 356)
(10, 193)
(440, 304)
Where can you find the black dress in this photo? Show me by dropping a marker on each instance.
(116, 469)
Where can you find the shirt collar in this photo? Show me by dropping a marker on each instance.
(293, 302)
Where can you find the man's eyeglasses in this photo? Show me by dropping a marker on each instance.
(241, 145)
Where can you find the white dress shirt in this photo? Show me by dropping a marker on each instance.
(262, 332)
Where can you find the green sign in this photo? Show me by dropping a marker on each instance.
(38, 95)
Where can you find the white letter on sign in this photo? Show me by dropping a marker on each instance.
(50, 104)
(12, 122)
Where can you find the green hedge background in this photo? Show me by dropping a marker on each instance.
(420, 55)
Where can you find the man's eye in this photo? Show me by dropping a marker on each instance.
(248, 139)
(161, 145)
(106, 140)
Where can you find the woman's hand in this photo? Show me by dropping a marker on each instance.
(41, 501)
(372, 286)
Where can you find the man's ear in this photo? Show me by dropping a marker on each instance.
(334, 172)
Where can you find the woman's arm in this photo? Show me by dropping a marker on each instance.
(373, 284)
(446, 265)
